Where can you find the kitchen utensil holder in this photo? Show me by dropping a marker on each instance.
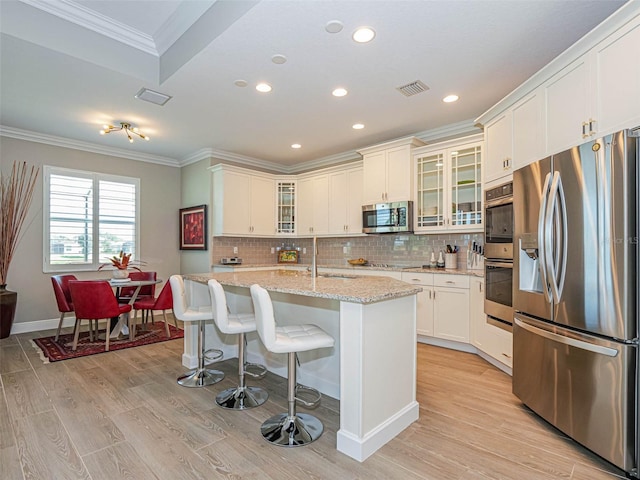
(451, 260)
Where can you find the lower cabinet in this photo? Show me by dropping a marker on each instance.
(443, 305)
(486, 337)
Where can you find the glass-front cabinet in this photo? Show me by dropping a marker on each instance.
(449, 185)
(286, 207)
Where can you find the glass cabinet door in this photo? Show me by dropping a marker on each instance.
(431, 188)
(466, 186)
(286, 206)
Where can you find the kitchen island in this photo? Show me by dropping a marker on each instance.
(372, 367)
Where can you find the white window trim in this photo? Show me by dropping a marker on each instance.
(96, 177)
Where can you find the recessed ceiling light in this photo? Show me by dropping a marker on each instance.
(240, 83)
(334, 26)
(358, 126)
(296, 145)
(364, 34)
(339, 92)
(450, 98)
(278, 59)
(263, 87)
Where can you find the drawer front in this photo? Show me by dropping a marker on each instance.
(417, 278)
(454, 281)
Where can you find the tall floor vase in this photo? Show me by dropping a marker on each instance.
(8, 300)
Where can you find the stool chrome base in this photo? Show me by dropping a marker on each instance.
(291, 431)
(200, 378)
(242, 398)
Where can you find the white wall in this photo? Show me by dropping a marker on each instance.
(159, 204)
(196, 184)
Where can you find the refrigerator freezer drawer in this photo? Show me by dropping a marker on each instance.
(583, 385)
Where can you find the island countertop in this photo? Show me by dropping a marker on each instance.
(348, 288)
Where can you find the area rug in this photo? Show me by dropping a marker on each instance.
(52, 351)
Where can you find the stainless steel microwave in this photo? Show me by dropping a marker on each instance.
(389, 217)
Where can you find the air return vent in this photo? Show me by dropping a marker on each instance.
(412, 88)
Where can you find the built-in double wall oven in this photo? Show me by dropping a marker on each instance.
(498, 252)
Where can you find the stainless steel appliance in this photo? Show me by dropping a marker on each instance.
(498, 252)
(389, 217)
(575, 333)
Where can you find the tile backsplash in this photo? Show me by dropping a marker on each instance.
(393, 249)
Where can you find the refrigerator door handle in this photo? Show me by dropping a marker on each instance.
(574, 342)
(557, 258)
(541, 237)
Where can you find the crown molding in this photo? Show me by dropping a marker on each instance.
(466, 127)
(85, 17)
(29, 136)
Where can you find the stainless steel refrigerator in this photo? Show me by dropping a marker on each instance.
(575, 294)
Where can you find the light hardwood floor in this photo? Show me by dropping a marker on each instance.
(121, 415)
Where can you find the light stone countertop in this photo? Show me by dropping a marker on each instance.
(354, 289)
(361, 269)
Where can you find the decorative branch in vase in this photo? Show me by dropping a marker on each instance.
(16, 193)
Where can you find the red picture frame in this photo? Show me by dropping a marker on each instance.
(193, 228)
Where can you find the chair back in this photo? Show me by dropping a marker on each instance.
(93, 299)
(61, 291)
(265, 320)
(145, 290)
(219, 305)
(165, 299)
(179, 295)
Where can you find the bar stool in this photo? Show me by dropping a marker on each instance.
(201, 376)
(289, 429)
(242, 396)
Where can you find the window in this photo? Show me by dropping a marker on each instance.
(88, 217)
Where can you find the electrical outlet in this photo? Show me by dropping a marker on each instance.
(273, 249)
(304, 250)
(345, 249)
(235, 250)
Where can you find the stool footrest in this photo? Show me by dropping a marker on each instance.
(212, 354)
(262, 370)
(313, 403)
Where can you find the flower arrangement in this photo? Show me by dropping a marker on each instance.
(16, 193)
(122, 261)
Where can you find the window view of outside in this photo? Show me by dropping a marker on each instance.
(87, 212)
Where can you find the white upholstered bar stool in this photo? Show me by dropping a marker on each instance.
(289, 429)
(242, 396)
(201, 376)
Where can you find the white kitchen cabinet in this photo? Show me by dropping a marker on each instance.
(494, 341)
(388, 172)
(345, 202)
(498, 138)
(424, 301)
(449, 186)
(285, 207)
(597, 94)
(243, 202)
(313, 205)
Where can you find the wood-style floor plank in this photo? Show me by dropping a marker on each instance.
(121, 415)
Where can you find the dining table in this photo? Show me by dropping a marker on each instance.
(120, 324)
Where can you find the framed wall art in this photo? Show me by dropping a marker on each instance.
(193, 228)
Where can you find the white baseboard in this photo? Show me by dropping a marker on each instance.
(46, 324)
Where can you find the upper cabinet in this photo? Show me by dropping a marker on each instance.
(313, 205)
(387, 174)
(345, 201)
(243, 202)
(285, 207)
(588, 91)
(449, 186)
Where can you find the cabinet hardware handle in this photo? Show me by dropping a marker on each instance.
(451, 282)
(591, 130)
(429, 293)
(506, 355)
(480, 287)
(584, 130)
(434, 294)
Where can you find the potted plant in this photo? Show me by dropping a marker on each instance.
(122, 263)
(16, 193)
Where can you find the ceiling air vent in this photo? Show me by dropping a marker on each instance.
(412, 88)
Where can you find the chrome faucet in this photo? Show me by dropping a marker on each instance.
(314, 259)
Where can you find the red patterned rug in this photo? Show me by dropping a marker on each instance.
(52, 351)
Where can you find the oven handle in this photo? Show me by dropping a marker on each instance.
(498, 264)
(498, 203)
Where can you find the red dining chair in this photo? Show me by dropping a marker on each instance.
(146, 291)
(63, 297)
(94, 300)
(163, 302)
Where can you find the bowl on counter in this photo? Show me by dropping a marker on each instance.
(358, 261)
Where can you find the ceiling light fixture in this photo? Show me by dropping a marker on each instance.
(296, 145)
(334, 26)
(279, 59)
(263, 87)
(126, 127)
(240, 83)
(152, 96)
(339, 92)
(450, 98)
(358, 126)
(363, 34)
